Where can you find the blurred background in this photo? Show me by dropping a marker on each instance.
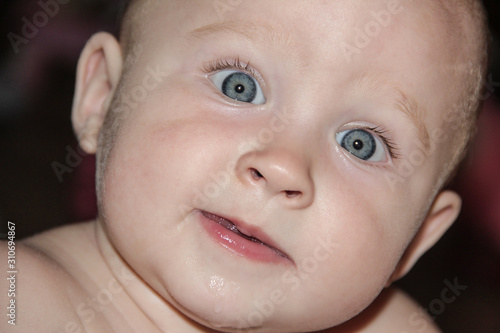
(41, 189)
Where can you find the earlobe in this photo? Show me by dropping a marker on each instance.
(441, 216)
(98, 74)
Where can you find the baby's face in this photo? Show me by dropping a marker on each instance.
(252, 181)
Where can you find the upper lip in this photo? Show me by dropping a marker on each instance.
(250, 232)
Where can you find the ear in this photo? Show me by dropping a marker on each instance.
(98, 74)
(441, 216)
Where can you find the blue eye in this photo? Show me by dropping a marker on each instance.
(362, 144)
(238, 86)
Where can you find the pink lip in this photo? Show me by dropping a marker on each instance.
(242, 239)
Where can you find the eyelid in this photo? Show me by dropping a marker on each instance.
(234, 63)
(221, 64)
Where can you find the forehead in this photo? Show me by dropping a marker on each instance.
(325, 14)
(331, 30)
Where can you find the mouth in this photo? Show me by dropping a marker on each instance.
(242, 239)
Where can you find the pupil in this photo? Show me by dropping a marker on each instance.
(358, 145)
(239, 88)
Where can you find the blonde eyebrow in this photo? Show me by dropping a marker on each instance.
(217, 29)
(412, 109)
(275, 35)
(403, 102)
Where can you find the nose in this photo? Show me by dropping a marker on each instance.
(278, 173)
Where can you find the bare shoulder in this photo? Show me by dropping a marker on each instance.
(393, 311)
(39, 288)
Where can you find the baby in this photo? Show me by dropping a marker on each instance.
(262, 166)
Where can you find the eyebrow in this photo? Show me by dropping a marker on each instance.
(275, 34)
(403, 102)
(221, 28)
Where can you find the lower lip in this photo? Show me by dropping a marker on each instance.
(239, 245)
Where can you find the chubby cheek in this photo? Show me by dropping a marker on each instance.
(153, 176)
(366, 234)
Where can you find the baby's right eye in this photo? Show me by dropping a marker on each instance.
(239, 86)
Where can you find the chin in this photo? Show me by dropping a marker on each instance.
(230, 317)
(227, 315)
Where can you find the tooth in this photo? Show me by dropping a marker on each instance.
(228, 224)
(232, 227)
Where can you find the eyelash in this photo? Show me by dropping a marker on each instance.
(391, 145)
(222, 64)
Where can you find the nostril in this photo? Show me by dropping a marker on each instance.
(292, 194)
(256, 174)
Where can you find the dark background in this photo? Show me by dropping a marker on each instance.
(36, 91)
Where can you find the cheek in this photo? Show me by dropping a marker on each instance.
(156, 172)
(149, 186)
(369, 233)
(162, 156)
